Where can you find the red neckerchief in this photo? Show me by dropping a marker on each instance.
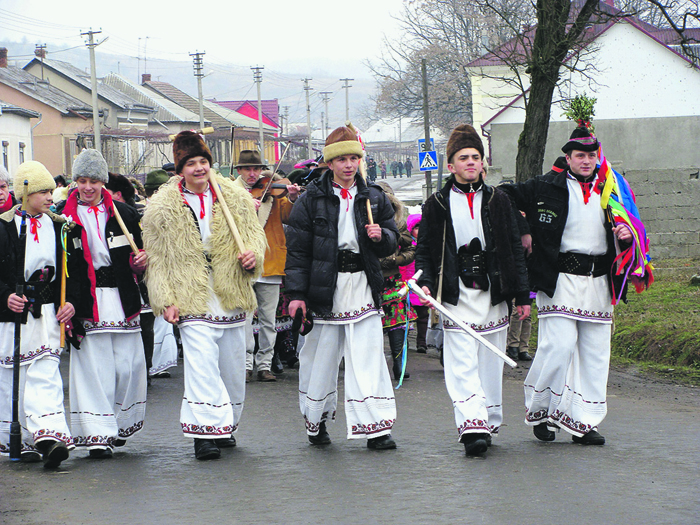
(585, 188)
(34, 224)
(202, 209)
(96, 210)
(8, 205)
(344, 193)
(470, 198)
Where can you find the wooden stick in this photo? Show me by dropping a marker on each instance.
(412, 286)
(203, 131)
(370, 218)
(63, 293)
(227, 212)
(126, 232)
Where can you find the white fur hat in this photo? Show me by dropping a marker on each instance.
(91, 164)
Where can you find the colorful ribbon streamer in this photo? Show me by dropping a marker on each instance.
(618, 201)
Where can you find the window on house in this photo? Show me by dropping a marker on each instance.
(21, 152)
(6, 154)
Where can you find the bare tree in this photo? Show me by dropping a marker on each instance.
(538, 40)
(449, 34)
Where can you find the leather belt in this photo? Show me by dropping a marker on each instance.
(349, 262)
(582, 264)
(104, 277)
(472, 265)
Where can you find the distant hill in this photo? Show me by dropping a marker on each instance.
(222, 82)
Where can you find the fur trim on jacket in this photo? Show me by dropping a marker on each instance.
(178, 271)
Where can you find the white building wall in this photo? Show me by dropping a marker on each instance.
(15, 130)
(636, 77)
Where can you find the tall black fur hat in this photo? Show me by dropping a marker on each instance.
(464, 136)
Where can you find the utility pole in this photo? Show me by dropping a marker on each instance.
(426, 124)
(285, 119)
(347, 87)
(145, 57)
(40, 51)
(257, 76)
(307, 88)
(324, 96)
(93, 82)
(198, 62)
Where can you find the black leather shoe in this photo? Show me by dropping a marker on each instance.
(101, 453)
(225, 442)
(205, 449)
(119, 442)
(381, 443)
(524, 356)
(322, 438)
(422, 349)
(30, 456)
(276, 366)
(475, 444)
(543, 433)
(396, 368)
(592, 438)
(512, 352)
(53, 453)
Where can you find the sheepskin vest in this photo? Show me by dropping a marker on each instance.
(178, 269)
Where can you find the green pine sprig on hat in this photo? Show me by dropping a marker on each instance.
(581, 110)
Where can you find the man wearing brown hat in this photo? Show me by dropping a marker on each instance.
(470, 252)
(573, 248)
(333, 270)
(273, 212)
(200, 278)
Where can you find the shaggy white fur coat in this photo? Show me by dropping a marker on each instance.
(177, 271)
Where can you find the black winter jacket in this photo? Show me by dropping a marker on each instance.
(311, 271)
(119, 252)
(505, 260)
(545, 201)
(9, 251)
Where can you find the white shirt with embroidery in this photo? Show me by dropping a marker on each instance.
(581, 297)
(474, 306)
(94, 220)
(352, 298)
(216, 314)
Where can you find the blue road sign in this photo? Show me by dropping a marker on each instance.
(421, 145)
(427, 160)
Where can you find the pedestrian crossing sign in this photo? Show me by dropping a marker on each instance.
(427, 160)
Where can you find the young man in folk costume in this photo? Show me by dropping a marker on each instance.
(333, 271)
(42, 414)
(108, 372)
(272, 213)
(199, 278)
(573, 250)
(469, 245)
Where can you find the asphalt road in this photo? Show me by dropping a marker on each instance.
(646, 473)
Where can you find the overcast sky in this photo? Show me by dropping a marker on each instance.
(321, 39)
(276, 33)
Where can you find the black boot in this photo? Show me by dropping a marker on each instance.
(396, 338)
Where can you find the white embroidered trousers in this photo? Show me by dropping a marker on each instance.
(370, 406)
(567, 382)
